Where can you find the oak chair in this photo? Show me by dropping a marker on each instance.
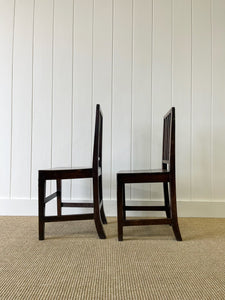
(166, 175)
(57, 174)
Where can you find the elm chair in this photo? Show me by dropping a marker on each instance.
(166, 175)
(57, 174)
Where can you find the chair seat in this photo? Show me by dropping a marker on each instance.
(65, 168)
(66, 173)
(143, 171)
(141, 176)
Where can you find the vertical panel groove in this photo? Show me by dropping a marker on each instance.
(152, 105)
(32, 102)
(72, 97)
(92, 68)
(53, 32)
(172, 48)
(152, 108)
(112, 94)
(212, 106)
(12, 81)
(131, 86)
(52, 87)
(92, 79)
(191, 107)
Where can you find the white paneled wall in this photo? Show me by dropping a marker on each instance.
(182, 92)
(42, 90)
(137, 58)
(7, 19)
(218, 99)
(83, 92)
(22, 99)
(141, 93)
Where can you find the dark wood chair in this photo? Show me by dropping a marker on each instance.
(166, 175)
(94, 172)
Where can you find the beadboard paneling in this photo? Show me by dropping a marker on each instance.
(141, 93)
(181, 93)
(218, 99)
(42, 90)
(161, 80)
(201, 169)
(6, 79)
(102, 76)
(83, 92)
(22, 99)
(62, 87)
(122, 89)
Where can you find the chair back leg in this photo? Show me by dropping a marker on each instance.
(41, 203)
(120, 209)
(175, 225)
(97, 204)
(102, 212)
(59, 197)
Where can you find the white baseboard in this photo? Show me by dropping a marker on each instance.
(29, 207)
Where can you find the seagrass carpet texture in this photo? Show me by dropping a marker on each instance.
(73, 263)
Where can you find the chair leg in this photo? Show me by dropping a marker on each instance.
(41, 201)
(97, 217)
(175, 225)
(124, 202)
(120, 209)
(166, 199)
(59, 196)
(102, 212)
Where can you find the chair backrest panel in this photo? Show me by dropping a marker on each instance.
(168, 151)
(97, 152)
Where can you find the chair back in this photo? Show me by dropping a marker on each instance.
(97, 153)
(168, 151)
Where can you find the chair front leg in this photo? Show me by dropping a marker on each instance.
(120, 208)
(124, 202)
(59, 196)
(41, 204)
(97, 216)
(166, 199)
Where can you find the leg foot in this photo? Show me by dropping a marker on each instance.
(176, 231)
(99, 228)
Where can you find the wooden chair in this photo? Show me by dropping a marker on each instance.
(95, 172)
(166, 175)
